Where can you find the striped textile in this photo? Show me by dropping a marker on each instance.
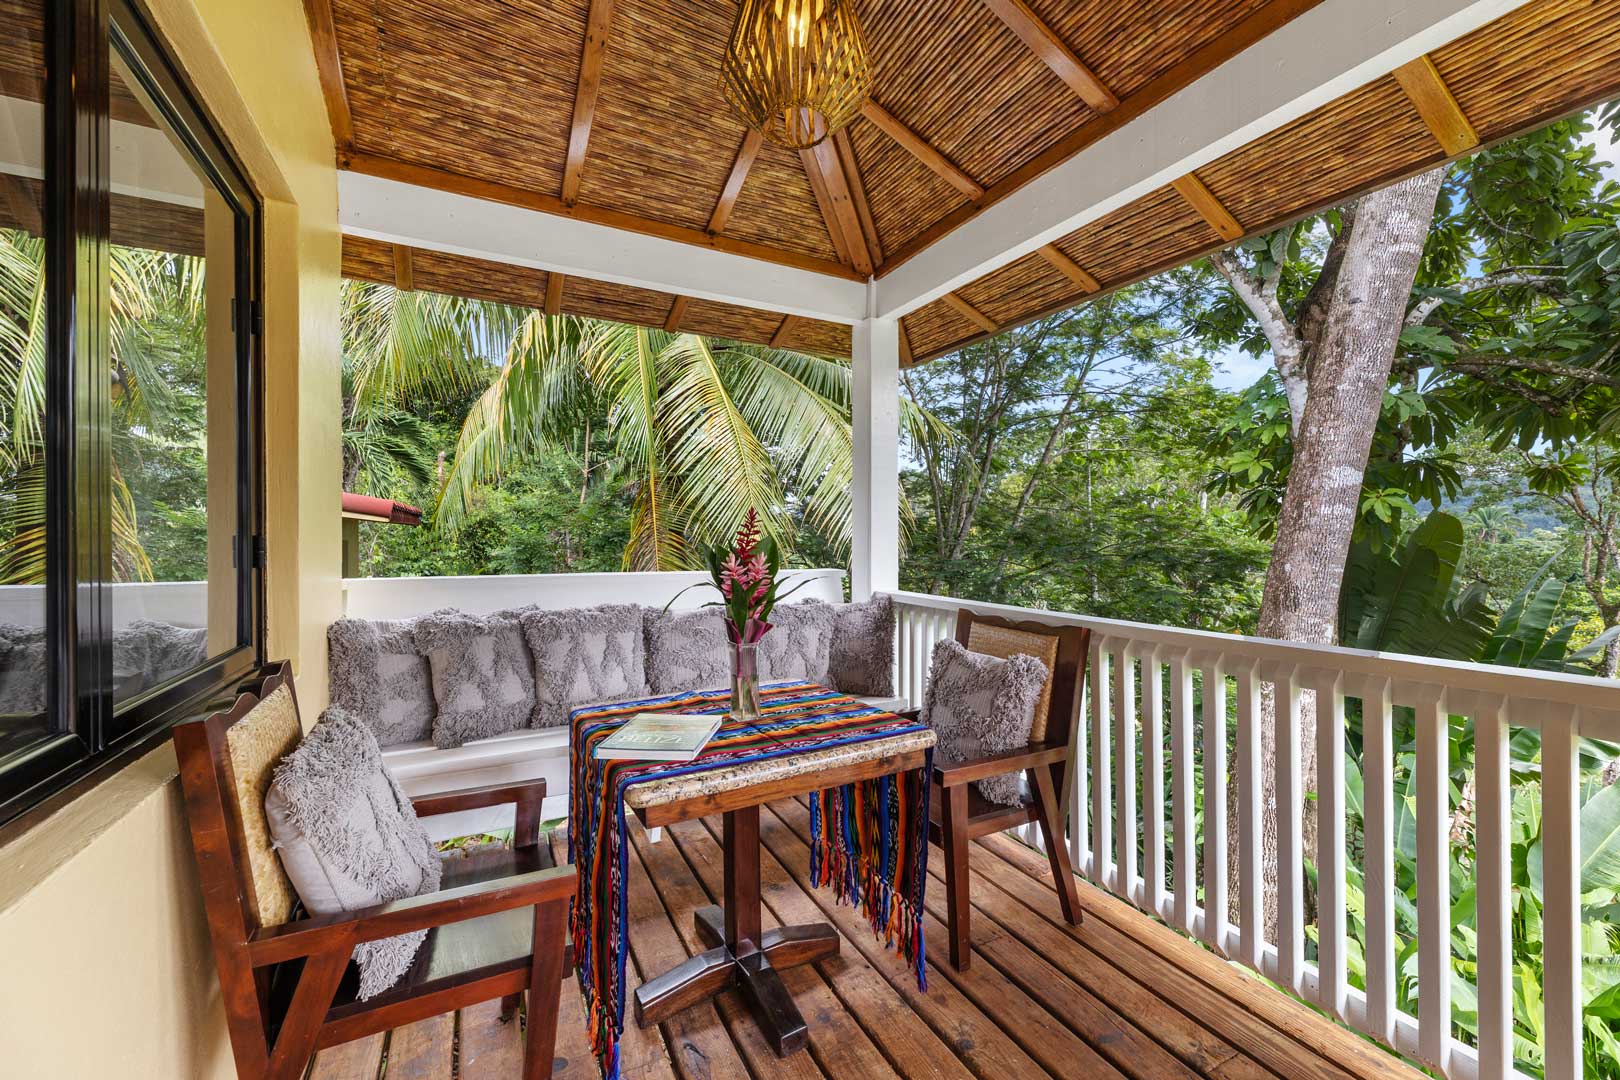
(869, 840)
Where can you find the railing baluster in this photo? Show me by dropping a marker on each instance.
(1433, 878)
(1125, 771)
(1378, 804)
(919, 670)
(1152, 726)
(1561, 918)
(1493, 880)
(1290, 834)
(1332, 979)
(1102, 794)
(1251, 905)
(902, 652)
(1214, 717)
(1080, 762)
(1183, 851)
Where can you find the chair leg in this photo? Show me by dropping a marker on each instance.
(954, 842)
(1044, 782)
(509, 1006)
(545, 986)
(317, 985)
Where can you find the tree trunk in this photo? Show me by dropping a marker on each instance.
(1350, 369)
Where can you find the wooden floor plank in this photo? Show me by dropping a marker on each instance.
(1134, 938)
(423, 1050)
(490, 1046)
(357, 1060)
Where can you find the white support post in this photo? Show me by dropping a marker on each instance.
(874, 554)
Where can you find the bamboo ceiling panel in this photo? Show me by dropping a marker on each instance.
(906, 196)
(369, 260)
(776, 206)
(437, 271)
(620, 303)
(483, 88)
(937, 327)
(1152, 231)
(729, 321)
(815, 336)
(1030, 284)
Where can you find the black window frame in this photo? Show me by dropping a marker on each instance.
(90, 736)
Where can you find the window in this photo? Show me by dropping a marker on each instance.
(128, 427)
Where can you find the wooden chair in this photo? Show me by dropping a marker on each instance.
(959, 814)
(495, 928)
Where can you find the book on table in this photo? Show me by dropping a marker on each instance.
(660, 737)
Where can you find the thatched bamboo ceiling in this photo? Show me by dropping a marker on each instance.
(609, 111)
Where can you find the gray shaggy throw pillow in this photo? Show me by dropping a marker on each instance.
(979, 705)
(378, 675)
(862, 658)
(583, 656)
(22, 670)
(483, 676)
(348, 837)
(686, 650)
(798, 645)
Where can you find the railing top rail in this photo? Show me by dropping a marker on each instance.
(1559, 688)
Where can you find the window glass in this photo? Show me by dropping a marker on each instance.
(23, 675)
(174, 359)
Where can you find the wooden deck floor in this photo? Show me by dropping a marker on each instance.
(1119, 996)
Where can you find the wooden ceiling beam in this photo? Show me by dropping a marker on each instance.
(971, 313)
(919, 148)
(781, 333)
(845, 148)
(591, 59)
(1069, 268)
(1054, 53)
(677, 312)
(554, 288)
(1436, 104)
(329, 65)
(404, 270)
(1203, 200)
(837, 209)
(746, 153)
(907, 359)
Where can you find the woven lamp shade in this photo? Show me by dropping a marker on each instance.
(797, 70)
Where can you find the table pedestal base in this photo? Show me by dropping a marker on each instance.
(742, 955)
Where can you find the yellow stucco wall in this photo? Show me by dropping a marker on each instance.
(105, 969)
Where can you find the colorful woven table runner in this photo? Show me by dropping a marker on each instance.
(869, 840)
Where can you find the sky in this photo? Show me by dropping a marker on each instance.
(1235, 370)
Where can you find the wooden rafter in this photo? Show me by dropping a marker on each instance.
(404, 270)
(1070, 269)
(1203, 200)
(554, 288)
(22, 205)
(845, 148)
(837, 208)
(442, 180)
(906, 357)
(677, 312)
(323, 35)
(781, 333)
(1436, 104)
(919, 148)
(590, 82)
(746, 153)
(971, 313)
(1051, 51)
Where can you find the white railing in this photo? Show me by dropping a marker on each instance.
(1109, 821)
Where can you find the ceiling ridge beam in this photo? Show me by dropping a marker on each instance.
(677, 312)
(1211, 209)
(781, 333)
(592, 56)
(426, 176)
(919, 148)
(1427, 91)
(329, 65)
(554, 288)
(404, 271)
(971, 313)
(1055, 53)
(845, 147)
(824, 155)
(1069, 268)
(740, 167)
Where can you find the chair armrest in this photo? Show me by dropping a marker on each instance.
(344, 930)
(448, 802)
(955, 773)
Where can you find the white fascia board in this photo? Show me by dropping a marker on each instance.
(421, 217)
(1326, 52)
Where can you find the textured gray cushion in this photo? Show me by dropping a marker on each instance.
(171, 650)
(348, 837)
(146, 653)
(862, 657)
(378, 675)
(979, 705)
(583, 656)
(798, 644)
(22, 670)
(483, 676)
(686, 650)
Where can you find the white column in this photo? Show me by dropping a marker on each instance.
(874, 553)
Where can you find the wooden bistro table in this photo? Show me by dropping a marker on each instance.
(742, 955)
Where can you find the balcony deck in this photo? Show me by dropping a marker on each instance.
(1119, 996)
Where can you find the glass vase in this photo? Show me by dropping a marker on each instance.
(745, 682)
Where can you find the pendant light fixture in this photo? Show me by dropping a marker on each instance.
(797, 70)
